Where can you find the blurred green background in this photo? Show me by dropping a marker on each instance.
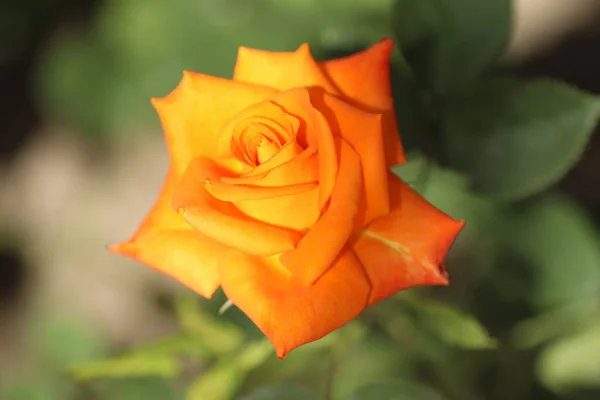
(497, 105)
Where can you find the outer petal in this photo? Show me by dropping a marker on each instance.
(166, 242)
(194, 113)
(407, 247)
(364, 78)
(186, 255)
(221, 220)
(318, 249)
(288, 312)
(364, 131)
(280, 70)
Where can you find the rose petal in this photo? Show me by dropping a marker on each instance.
(221, 220)
(194, 113)
(363, 130)
(288, 312)
(318, 249)
(266, 119)
(298, 170)
(298, 211)
(407, 247)
(364, 78)
(185, 255)
(236, 193)
(317, 131)
(280, 70)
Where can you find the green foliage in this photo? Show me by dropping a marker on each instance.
(517, 138)
(127, 366)
(555, 236)
(450, 43)
(281, 391)
(450, 325)
(573, 361)
(395, 391)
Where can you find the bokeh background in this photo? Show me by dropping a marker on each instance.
(82, 158)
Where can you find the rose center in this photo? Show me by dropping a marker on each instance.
(257, 143)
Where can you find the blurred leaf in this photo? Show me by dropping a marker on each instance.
(365, 357)
(554, 324)
(281, 391)
(43, 386)
(216, 335)
(65, 341)
(138, 389)
(395, 391)
(254, 355)
(220, 382)
(180, 344)
(572, 362)
(451, 325)
(515, 139)
(450, 43)
(127, 366)
(556, 236)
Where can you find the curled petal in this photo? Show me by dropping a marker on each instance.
(364, 131)
(407, 247)
(194, 113)
(288, 312)
(236, 193)
(302, 169)
(364, 79)
(221, 220)
(297, 211)
(280, 70)
(317, 134)
(318, 249)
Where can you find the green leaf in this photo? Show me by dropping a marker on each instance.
(450, 43)
(572, 362)
(217, 335)
(254, 355)
(281, 391)
(395, 391)
(554, 324)
(220, 382)
(515, 139)
(557, 238)
(127, 366)
(451, 325)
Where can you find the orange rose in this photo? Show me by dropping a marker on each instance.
(279, 192)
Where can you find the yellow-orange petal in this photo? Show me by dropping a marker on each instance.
(317, 134)
(236, 193)
(407, 247)
(364, 131)
(302, 169)
(318, 249)
(162, 216)
(194, 113)
(298, 211)
(288, 312)
(280, 70)
(364, 79)
(185, 255)
(221, 220)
